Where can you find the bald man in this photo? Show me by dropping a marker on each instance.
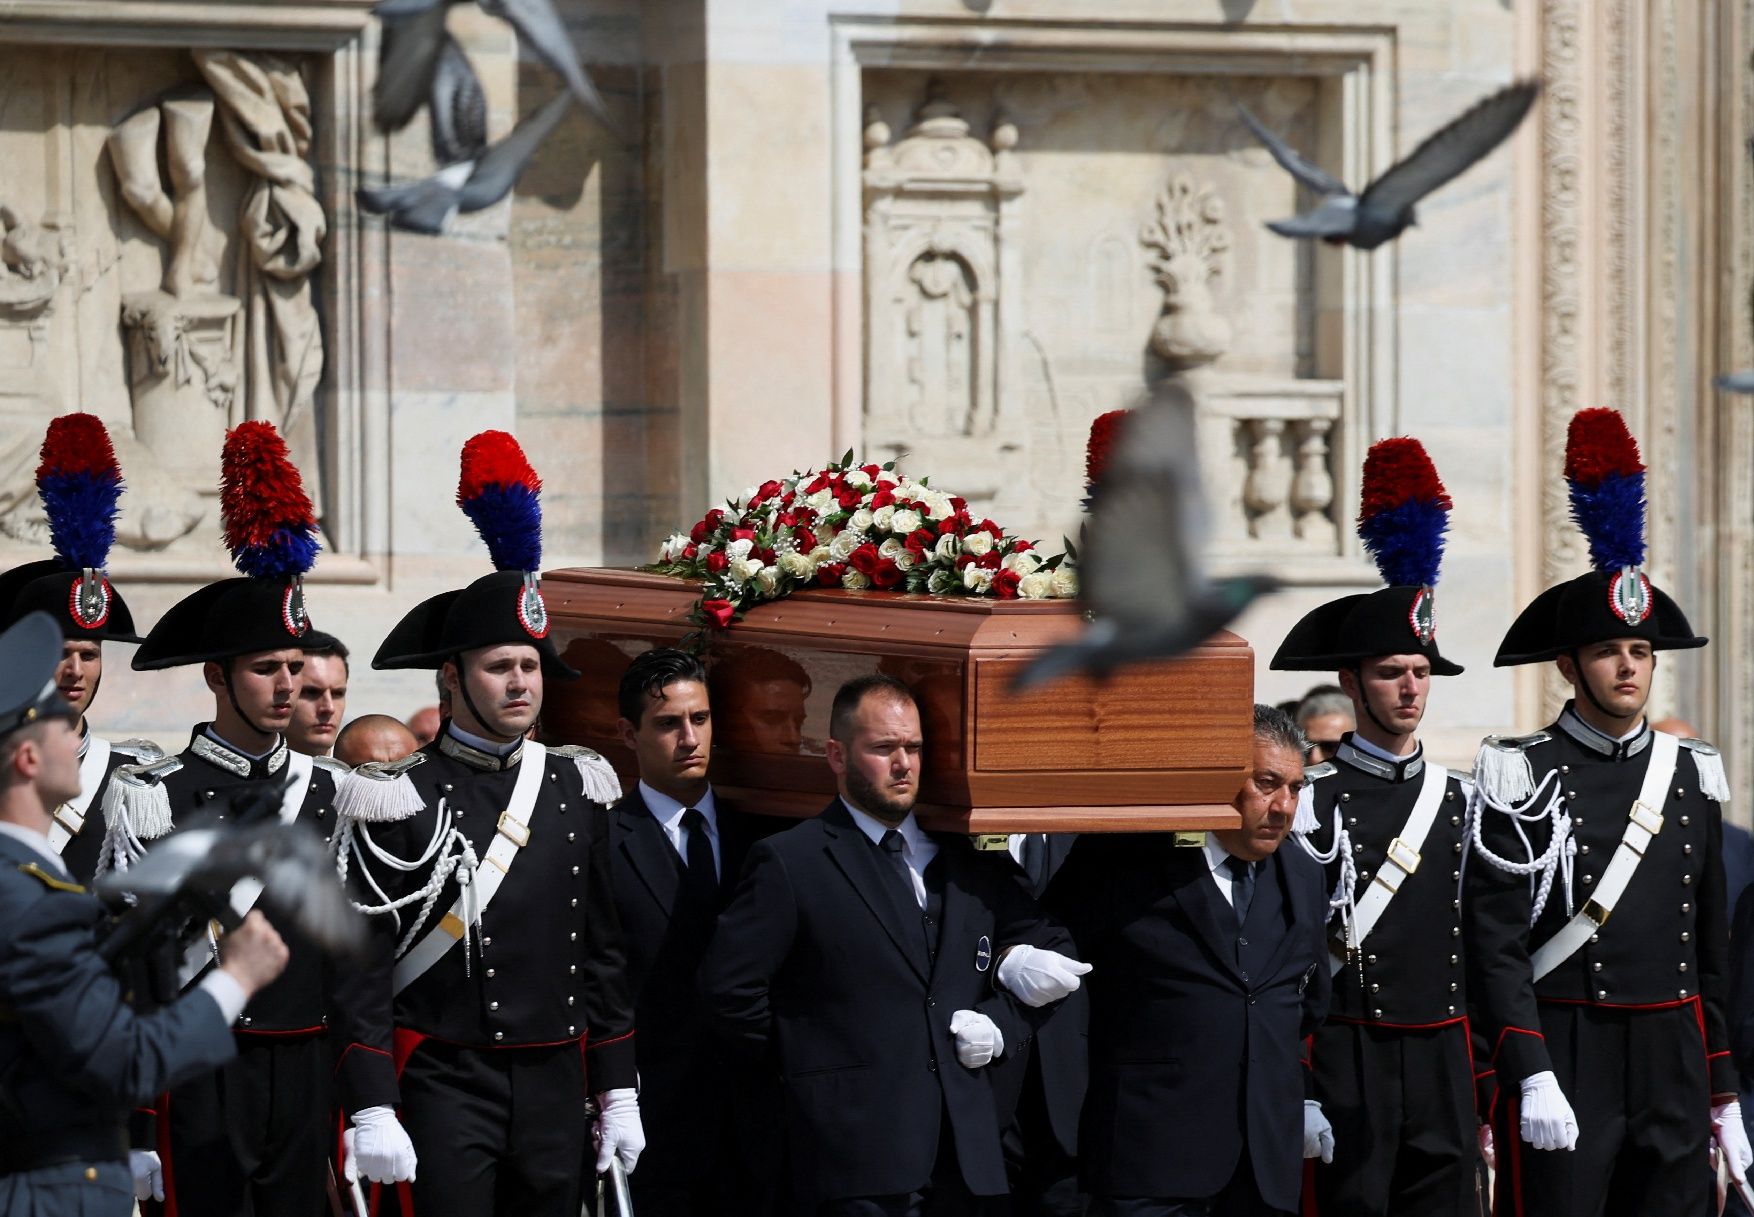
(374, 737)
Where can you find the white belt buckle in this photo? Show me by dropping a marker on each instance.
(1403, 855)
(1647, 817)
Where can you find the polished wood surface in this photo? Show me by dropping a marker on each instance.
(1154, 747)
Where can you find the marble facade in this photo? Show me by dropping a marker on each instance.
(954, 229)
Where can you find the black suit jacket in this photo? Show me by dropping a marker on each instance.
(817, 957)
(1059, 1049)
(1190, 1064)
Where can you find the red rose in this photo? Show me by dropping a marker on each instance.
(964, 559)
(698, 533)
(690, 551)
(806, 517)
(990, 527)
(829, 573)
(804, 539)
(767, 491)
(1018, 546)
(742, 534)
(958, 504)
(919, 542)
(884, 497)
(718, 612)
(716, 561)
(887, 574)
(871, 471)
(864, 559)
(849, 498)
(766, 556)
(990, 560)
(820, 483)
(1005, 584)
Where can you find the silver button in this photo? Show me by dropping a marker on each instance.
(571, 1030)
(1686, 820)
(448, 788)
(575, 902)
(1596, 967)
(1451, 796)
(1352, 823)
(490, 973)
(1679, 793)
(1345, 797)
(493, 1005)
(570, 1000)
(498, 1035)
(563, 806)
(1589, 880)
(1683, 993)
(1454, 959)
(1681, 967)
(553, 777)
(1456, 905)
(1686, 849)
(572, 969)
(1455, 874)
(1686, 908)
(1595, 938)
(1452, 986)
(1455, 931)
(1375, 988)
(1583, 849)
(575, 870)
(1686, 880)
(1565, 769)
(1452, 1009)
(244, 1021)
(1570, 794)
(1686, 937)
(1370, 959)
(1457, 847)
(573, 937)
(1376, 1014)
(487, 942)
(1455, 821)
(1601, 995)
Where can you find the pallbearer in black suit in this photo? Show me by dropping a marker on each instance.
(1040, 1087)
(1600, 974)
(1394, 1072)
(80, 485)
(1210, 969)
(255, 1140)
(488, 858)
(712, 1147)
(864, 951)
(74, 1057)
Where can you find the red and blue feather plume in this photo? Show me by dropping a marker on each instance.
(270, 525)
(80, 484)
(1606, 476)
(502, 496)
(1403, 513)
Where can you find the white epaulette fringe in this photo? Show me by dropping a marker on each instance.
(379, 792)
(601, 783)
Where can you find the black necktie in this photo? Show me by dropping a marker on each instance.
(702, 879)
(1242, 887)
(892, 845)
(1035, 861)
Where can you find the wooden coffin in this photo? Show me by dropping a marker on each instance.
(1158, 747)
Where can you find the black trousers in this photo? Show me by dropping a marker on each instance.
(1637, 1081)
(713, 1147)
(1402, 1106)
(1241, 1197)
(1042, 1175)
(252, 1138)
(945, 1195)
(499, 1131)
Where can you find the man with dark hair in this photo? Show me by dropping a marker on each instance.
(1208, 977)
(74, 1057)
(676, 854)
(321, 704)
(864, 951)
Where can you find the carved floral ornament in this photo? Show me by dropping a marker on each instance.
(1189, 239)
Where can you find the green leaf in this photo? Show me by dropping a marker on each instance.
(846, 460)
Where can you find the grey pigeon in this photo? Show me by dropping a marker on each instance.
(1143, 580)
(291, 863)
(414, 36)
(1384, 209)
(1735, 382)
(467, 185)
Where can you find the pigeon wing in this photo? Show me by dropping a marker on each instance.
(424, 206)
(539, 25)
(408, 56)
(1290, 160)
(1449, 151)
(1336, 217)
(498, 170)
(1735, 382)
(459, 107)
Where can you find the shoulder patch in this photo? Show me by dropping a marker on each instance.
(1501, 769)
(1698, 745)
(332, 765)
(1714, 783)
(379, 792)
(53, 882)
(1516, 743)
(1320, 770)
(143, 751)
(601, 783)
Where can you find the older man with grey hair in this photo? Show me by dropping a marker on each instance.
(1207, 978)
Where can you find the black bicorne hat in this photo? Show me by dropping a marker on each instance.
(80, 484)
(1402, 517)
(271, 530)
(500, 493)
(1616, 599)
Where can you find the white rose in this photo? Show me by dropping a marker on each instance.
(978, 543)
(892, 549)
(904, 521)
(939, 582)
(819, 555)
(1037, 586)
(739, 548)
(861, 520)
(855, 581)
(824, 533)
(859, 478)
(674, 546)
(948, 547)
(744, 569)
(888, 477)
(1024, 562)
(904, 560)
(845, 544)
(797, 565)
(882, 516)
(975, 579)
(821, 501)
(911, 490)
(1065, 582)
(767, 580)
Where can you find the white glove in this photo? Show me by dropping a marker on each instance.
(1732, 1139)
(1318, 1134)
(618, 1132)
(377, 1148)
(978, 1039)
(1036, 977)
(1488, 1150)
(148, 1174)
(1547, 1119)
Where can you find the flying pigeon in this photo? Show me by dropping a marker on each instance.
(1385, 207)
(1142, 577)
(414, 40)
(467, 185)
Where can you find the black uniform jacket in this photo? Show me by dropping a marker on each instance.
(82, 850)
(1192, 1059)
(545, 964)
(817, 955)
(1410, 971)
(315, 994)
(1666, 942)
(1059, 1046)
(74, 1057)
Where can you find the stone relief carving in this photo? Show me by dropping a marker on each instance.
(942, 293)
(35, 257)
(1189, 239)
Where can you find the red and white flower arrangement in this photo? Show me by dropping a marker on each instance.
(859, 527)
